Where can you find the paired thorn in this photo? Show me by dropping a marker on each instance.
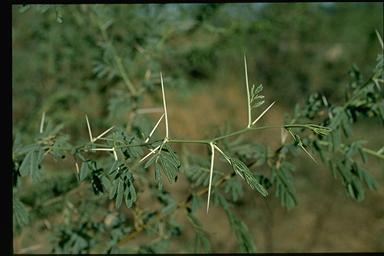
(165, 114)
(99, 137)
(90, 131)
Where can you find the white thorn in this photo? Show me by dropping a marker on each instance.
(265, 111)
(306, 151)
(154, 128)
(165, 106)
(225, 156)
(211, 174)
(150, 153)
(42, 122)
(102, 134)
(149, 110)
(284, 135)
(114, 154)
(248, 96)
(89, 129)
(380, 39)
(77, 168)
(103, 149)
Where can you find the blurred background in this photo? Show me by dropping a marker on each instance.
(61, 65)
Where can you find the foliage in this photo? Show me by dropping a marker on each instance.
(131, 160)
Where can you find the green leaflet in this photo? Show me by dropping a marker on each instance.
(234, 188)
(353, 178)
(256, 100)
(201, 243)
(243, 171)
(157, 246)
(121, 136)
(56, 150)
(199, 175)
(119, 104)
(129, 194)
(355, 189)
(166, 161)
(113, 190)
(122, 187)
(283, 181)
(119, 195)
(31, 163)
(20, 213)
(85, 170)
(196, 202)
(243, 237)
(168, 202)
(251, 151)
